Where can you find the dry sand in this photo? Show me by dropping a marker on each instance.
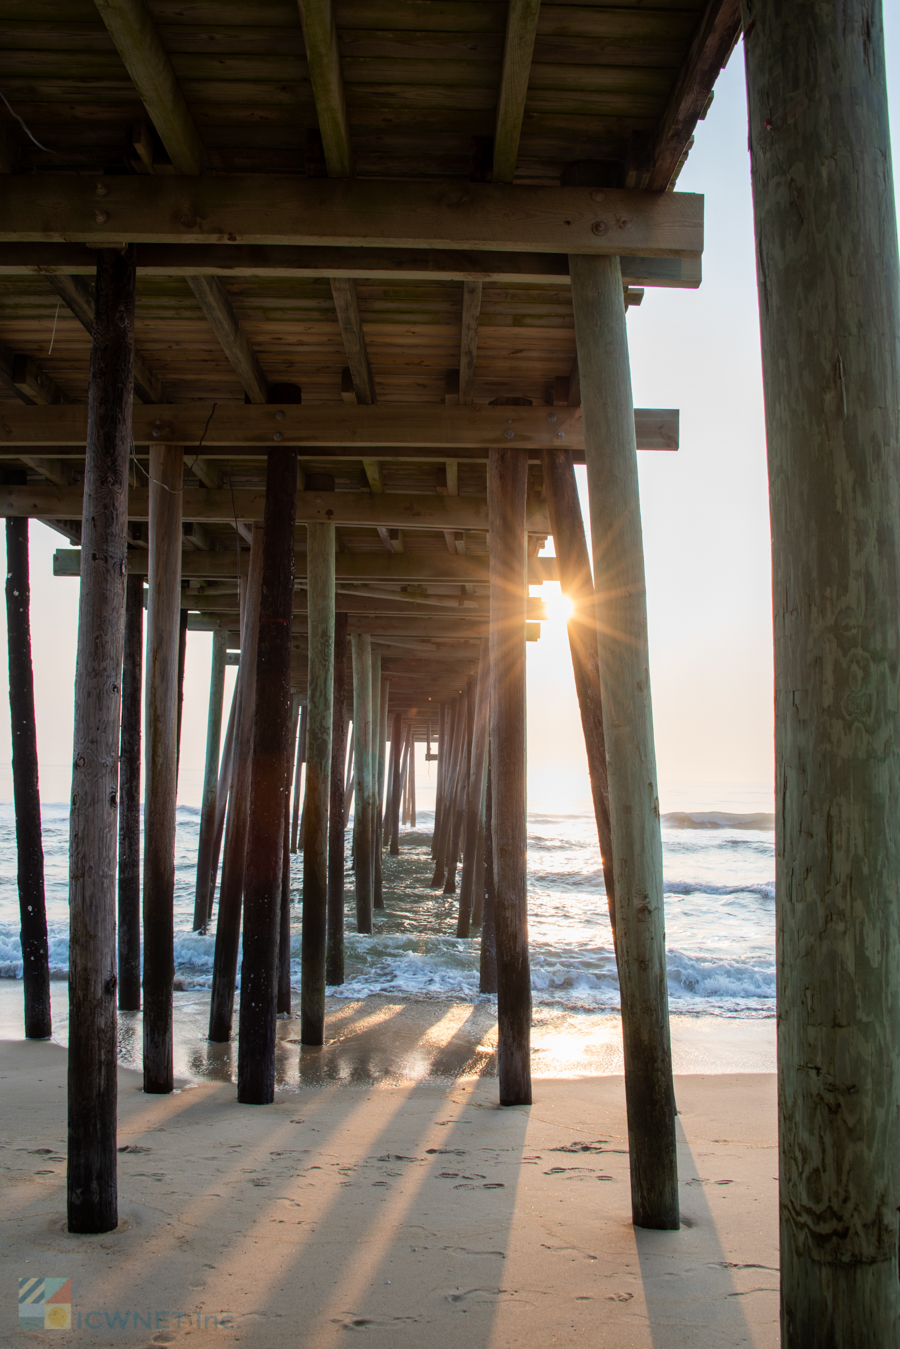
(409, 1213)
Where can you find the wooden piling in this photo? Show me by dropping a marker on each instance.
(395, 783)
(380, 692)
(129, 925)
(487, 982)
(393, 770)
(471, 879)
(320, 549)
(829, 295)
(334, 948)
(223, 789)
(182, 658)
(210, 779)
(576, 581)
(284, 926)
(455, 716)
(298, 777)
(608, 418)
(363, 854)
(231, 888)
(439, 783)
(458, 818)
(270, 758)
(93, 817)
(160, 768)
(350, 775)
(26, 789)
(412, 778)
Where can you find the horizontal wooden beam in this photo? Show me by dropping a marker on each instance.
(400, 568)
(246, 506)
(360, 264)
(350, 431)
(75, 292)
(351, 213)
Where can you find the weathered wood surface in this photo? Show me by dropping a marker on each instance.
(455, 839)
(93, 817)
(402, 429)
(231, 888)
(487, 972)
(468, 341)
(471, 880)
(179, 697)
(334, 952)
(380, 691)
(364, 824)
(284, 927)
(346, 307)
(452, 734)
(213, 299)
(828, 289)
(223, 789)
(320, 542)
(392, 823)
(323, 57)
(210, 778)
(352, 213)
(270, 758)
(26, 791)
(628, 732)
(129, 915)
(518, 47)
(298, 777)
(160, 767)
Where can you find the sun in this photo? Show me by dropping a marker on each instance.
(559, 607)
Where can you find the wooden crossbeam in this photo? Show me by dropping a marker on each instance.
(521, 28)
(216, 305)
(290, 261)
(324, 61)
(346, 306)
(400, 430)
(468, 341)
(245, 505)
(711, 45)
(399, 568)
(353, 213)
(75, 292)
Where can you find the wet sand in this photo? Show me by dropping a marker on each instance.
(409, 1211)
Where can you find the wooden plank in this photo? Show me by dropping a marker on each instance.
(324, 59)
(214, 300)
(298, 262)
(439, 213)
(416, 427)
(393, 510)
(713, 40)
(131, 27)
(518, 47)
(35, 383)
(468, 341)
(346, 307)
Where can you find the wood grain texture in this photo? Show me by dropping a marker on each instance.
(93, 816)
(508, 482)
(346, 307)
(353, 213)
(324, 59)
(363, 743)
(213, 299)
(334, 955)
(518, 46)
(628, 733)
(468, 341)
(210, 779)
(826, 239)
(129, 910)
(471, 879)
(75, 292)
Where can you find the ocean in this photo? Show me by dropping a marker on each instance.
(720, 917)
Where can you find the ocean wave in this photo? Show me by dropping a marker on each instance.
(762, 888)
(718, 819)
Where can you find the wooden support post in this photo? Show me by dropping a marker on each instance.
(507, 488)
(93, 818)
(478, 899)
(270, 759)
(395, 782)
(223, 789)
(439, 785)
(826, 238)
(334, 950)
(412, 778)
(361, 646)
(454, 842)
(298, 776)
(284, 927)
(350, 776)
(210, 778)
(561, 492)
(393, 766)
(231, 890)
(26, 792)
(129, 927)
(487, 982)
(380, 691)
(471, 879)
(160, 771)
(320, 551)
(182, 657)
(452, 728)
(408, 744)
(608, 412)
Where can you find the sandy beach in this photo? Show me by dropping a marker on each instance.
(406, 1211)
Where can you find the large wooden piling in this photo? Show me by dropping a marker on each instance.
(411, 778)
(161, 756)
(284, 926)
(129, 926)
(334, 950)
(454, 719)
(320, 549)
(829, 298)
(210, 780)
(380, 692)
(487, 982)
(270, 759)
(396, 785)
(93, 817)
(231, 888)
(507, 487)
(462, 786)
(363, 850)
(472, 878)
(621, 608)
(182, 661)
(439, 775)
(26, 789)
(576, 581)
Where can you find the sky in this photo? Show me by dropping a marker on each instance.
(706, 540)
